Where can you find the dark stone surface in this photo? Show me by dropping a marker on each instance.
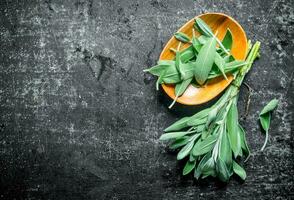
(80, 120)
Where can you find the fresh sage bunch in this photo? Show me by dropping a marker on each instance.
(265, 118)
(212, 140)
(206, 58)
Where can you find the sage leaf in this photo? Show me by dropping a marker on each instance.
(178, 125)
(232, 128)
(181, 87)
(198, 115)
(182, 37)
(269, 107)
(208, 168)
(204, 29)
(197, 121)
(189, 167)
(172, 135)
(187, 54)
(211, 116)
(228, 40)
(220, 63)
(239, 170)
(204, 146)
(179, 142)
(178, 64)
(204, 61)
(225, 151)
(198, 170)
(222, 170)
(185, 150)
(265, 118)
(244, 144)
(196, 43)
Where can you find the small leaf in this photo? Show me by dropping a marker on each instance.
(222, 170)
(220, 63)
(225, 151)
(228, 40)
(202, 27)
(189, 167)
(239, 170)
(244, 144)
(211, 116)
(178, 125)
(270, 106)
(182, 37)
(179, 142)
(172, 135)
(199, 168)
(185, 150)
(181, 87)
(208, 168)
(204, 146)
(197, 121)
(201, 114)
(232, 128)
(265, 118)
(187, 54)
(204, 61)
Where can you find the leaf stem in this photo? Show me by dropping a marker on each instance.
(265, 142)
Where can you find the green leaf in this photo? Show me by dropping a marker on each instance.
(182, 37)
(204, 61)
(182, 86)
(244, 144)
(197, 121)
(232, 128)
(187, 54)
(269, 107)
(172, 135)
(204, 29)
(178, 64)
(265, 118)
(222, 170)
(220, 63)
(192, 158)
(178, 125)
(196, 43)
(228, 40)
(179, 142)
(211, 116)
(199, 168)
(156, 70)
(204, 146)
(208, 168)
(202, 39)
(225, 151)
(185, 150)
(239, 170)
(198, 115)
(189, 167)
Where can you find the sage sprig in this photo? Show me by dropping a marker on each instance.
(202, 60)
(212, 140)
(265, 118)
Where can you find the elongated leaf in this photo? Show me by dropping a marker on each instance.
(270, 106)
(265, 118)
(166, 62)
(204, 61)
(178, 125)
(181, 87)
(232, 127)
(180, 142)
(178, 64)
(228, 40)
(192, 158)
(198, 170)
(239, 170)
(187, 54)
(197, 121)
(185, 150)
(209, 168)
(204, 29)
(244, 144)
(222, 170)
(189, 167)
(172, 135)
(196, 43)
(204, 146)
(211, 116)
(156, 70)
(220, 63)
(202, 39)
(182, 37)
(199, 115)
(225, 151)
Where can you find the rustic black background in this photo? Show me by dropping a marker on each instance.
(80, 120)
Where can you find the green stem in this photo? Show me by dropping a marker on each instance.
(265, 142)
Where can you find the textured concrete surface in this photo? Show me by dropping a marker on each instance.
(80, 120)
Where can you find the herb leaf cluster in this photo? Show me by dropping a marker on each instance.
(205, 58)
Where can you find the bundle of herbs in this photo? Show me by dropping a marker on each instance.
(205, 58)
(212, 141)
